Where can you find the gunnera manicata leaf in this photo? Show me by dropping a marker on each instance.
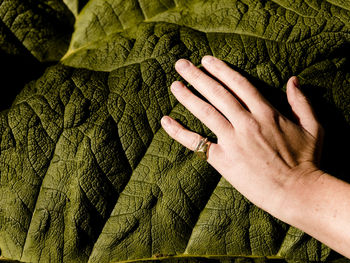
(33, 35)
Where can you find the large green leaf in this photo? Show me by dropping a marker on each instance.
(42, 26)
(31, 32)
(88, 174)
(104, 37)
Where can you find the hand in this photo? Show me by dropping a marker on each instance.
(259, 151)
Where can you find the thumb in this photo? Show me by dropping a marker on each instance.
(301, 107)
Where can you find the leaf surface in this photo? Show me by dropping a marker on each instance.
(43, 27)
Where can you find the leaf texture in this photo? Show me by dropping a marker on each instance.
(33, 34)
(43, 27)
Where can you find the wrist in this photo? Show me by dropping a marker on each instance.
(297, 193)
(318, 204)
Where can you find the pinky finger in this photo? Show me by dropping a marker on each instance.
(187, 138)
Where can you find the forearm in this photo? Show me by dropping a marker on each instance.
(319, 205)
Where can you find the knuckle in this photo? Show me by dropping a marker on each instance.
(270, 114)
(238, 78)
(195, 141)
(219, 91)
(177, 132)
(196, 74)
(251, 125)
(208, 110)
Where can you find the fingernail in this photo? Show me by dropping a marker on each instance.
(207, 59)
(176, 86)
(182, 64)
(296, 82)
(165, 121)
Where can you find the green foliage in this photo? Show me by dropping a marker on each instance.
(86, 171)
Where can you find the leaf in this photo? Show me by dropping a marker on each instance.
(32, 35)
(43, 27)
(88, 174)
(75, 5)
(104, 31)
(100, 19)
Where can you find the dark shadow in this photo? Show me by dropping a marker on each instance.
(15, 72)
(81, 4)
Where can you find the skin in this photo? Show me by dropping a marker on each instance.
(270, 159)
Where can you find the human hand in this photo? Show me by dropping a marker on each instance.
(259, 151)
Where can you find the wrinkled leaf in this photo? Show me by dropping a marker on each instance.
(31, 32)
(43, 27)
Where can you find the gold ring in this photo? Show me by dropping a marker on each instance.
(202, 149)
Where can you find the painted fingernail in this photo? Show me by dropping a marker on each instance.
(207, 59)
(165, 121)
(182, 64)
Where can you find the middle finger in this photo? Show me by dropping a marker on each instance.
(205, 112)
(220, 97)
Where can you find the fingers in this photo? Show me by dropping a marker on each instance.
(187, 138)
(302, 108)
(237, 83)
(205, 112)
(216, 94)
